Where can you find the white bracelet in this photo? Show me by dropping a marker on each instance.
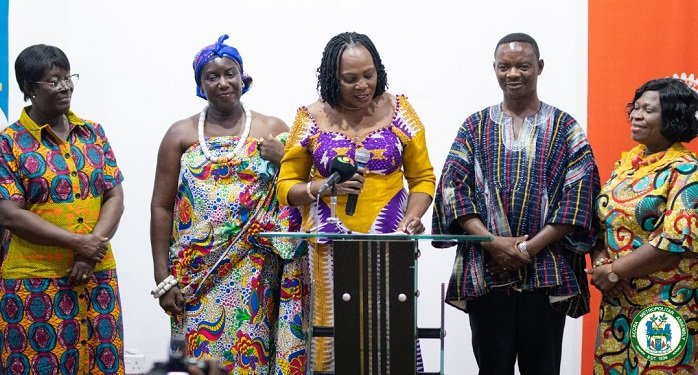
(310, 194)
(164, 286)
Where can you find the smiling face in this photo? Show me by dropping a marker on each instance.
(517, 70)
(221, 82)
(357, 77)
(49, 100)
(646, 122)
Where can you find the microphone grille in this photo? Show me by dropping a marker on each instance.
(362, 156)
(343, 165)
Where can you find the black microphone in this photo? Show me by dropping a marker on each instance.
(361, 157)
(342, 168)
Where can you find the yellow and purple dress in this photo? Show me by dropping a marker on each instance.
(398, 152)
(653, 200)
(243, 302)
(48, 325)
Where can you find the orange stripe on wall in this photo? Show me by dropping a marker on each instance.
(630, 42)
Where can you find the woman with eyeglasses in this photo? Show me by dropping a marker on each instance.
(61, 201)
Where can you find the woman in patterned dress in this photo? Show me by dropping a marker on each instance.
(61, 200)
(355, 112)
(647, 210)
(214, 191)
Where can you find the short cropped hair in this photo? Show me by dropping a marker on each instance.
(679, 108)
(33, 61)
(328, 72)
(519, 37)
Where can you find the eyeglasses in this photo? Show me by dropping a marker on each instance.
(68, 81)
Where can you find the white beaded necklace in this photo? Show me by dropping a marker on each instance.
(229, 156)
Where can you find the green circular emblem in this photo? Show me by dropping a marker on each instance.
(658, 333)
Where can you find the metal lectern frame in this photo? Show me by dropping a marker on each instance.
(368, 256)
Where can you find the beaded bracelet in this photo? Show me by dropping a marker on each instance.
(164, 286)
(307, 190)
(601, 262)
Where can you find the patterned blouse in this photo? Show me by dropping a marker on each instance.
(517, 186)
(653, 200)
(398, 152)
(62, 182)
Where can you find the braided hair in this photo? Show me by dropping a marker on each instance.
(328, 72)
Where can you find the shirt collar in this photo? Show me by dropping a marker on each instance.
(635, 161)
(539, 118)
(35, 129)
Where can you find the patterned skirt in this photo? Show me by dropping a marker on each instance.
(51, 327)
(250, 319)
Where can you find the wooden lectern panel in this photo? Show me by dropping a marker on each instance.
(374, 307)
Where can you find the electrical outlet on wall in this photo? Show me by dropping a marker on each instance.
(134, 363)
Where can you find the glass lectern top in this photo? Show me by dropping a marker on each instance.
(378, 237)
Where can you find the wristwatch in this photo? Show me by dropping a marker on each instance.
(612, 276)
(523, 248)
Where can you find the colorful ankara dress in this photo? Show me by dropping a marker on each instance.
(397, 152)
(517, 186)
(651, 200)
(49, 326)
(231, 278)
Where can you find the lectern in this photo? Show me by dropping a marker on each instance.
(375, 301)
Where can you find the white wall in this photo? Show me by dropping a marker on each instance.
(134, 60)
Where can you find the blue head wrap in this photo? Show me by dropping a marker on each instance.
(209, 53)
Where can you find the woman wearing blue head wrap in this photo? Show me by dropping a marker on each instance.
(219, 50)
(214, 192)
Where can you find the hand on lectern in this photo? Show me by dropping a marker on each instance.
(411, 225)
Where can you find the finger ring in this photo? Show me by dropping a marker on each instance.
(84, 277)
